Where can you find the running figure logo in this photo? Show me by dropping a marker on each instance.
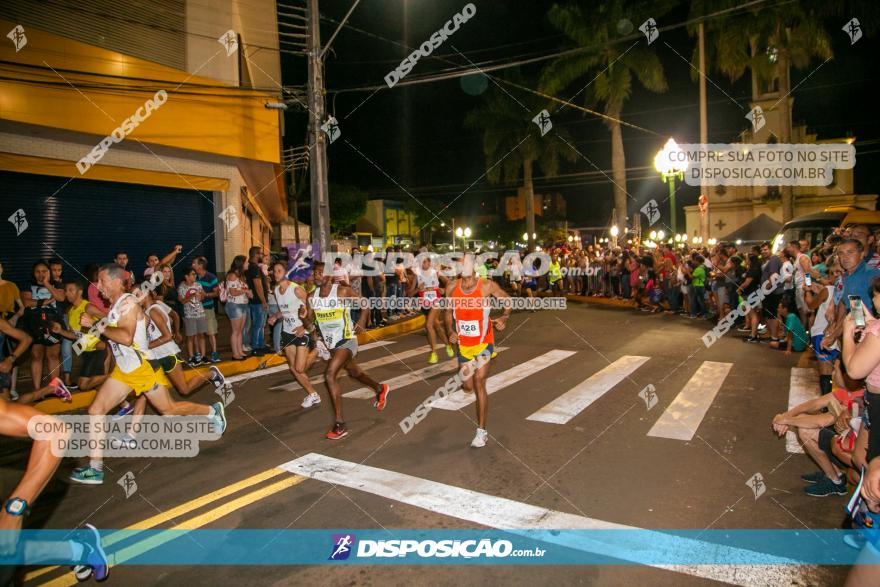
(756, 117)
(649, 396)
(226, 394)
(342, 545)
(19, 39)
(331, 127)
(128, 484)
(543, 121)
(756, 482)
(652, 211)
(854, 29)
(229, 218)
(229, 40)
(19, 221)
(649, 27)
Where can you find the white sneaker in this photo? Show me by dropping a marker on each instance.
(312, 399)
(479, 440)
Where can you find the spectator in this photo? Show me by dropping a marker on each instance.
(153, 261)
(41, 311)
(258, 306)
(772, 266)
(237, 297)
(56, 269)
(698, 287)
(796, 336)
(11, 308)
(750, 284)
(819, 299)
(209, 284)
(95, 297)
(275, 326)
(191, 294)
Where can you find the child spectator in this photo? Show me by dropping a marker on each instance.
(795, 335)
(191, 294)
(209, 284)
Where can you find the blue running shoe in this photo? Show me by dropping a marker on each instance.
(219, 417)
(94, 555)
(87, 476)
(124, 411)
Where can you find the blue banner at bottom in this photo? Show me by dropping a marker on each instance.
(446, 547)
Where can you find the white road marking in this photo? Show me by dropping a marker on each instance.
(683, 416)
(388, 359)
(803, 386)
(281, 368)
(579, 397)
(460, 399)
(517, 517)
(410, 378)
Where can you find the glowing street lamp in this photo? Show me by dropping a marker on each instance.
(614, 232)
(671, 163)
(653, 235)
(661, 235)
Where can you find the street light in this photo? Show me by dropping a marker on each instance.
(671, 163)
(653, 234)
(615, 231)
(661, 235)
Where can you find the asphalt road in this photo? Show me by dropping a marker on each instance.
(597, 462)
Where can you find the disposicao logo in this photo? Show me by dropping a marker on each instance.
(342, 546)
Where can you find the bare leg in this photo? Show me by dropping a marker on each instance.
(165, 405)
(482, 396)
(86, 383)
(354, 370)
(183, 385)
(297, 359)
(53, 358)
(338, 360)
(38, 353)
(810, 438)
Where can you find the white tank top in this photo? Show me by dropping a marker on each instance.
(153, 333)
(428, 279)
(333, 319)
(128, 358)
(821, 323)
(289, 305)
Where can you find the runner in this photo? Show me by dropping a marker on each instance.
(426, 281)
(127, 334)
(340, 336)
(473, 333)
(295, 343)
(163, 352)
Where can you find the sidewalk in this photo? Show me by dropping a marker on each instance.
(229, 368)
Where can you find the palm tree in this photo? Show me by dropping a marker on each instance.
(611, 66)
(512, 143)
(768, 40)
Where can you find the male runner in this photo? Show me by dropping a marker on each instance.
(426, 281)
(469, 308)
(128, 339)
(293, 307)
(41, 466)
(340, 335)
(163, 352)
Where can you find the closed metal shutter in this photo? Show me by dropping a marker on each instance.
(88, 221)
(153, 30)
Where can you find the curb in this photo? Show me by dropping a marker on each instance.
(84, 399)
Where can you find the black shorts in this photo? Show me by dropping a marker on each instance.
(37, 324)
(771, 306)
(826, 437)
(290, 339)
(92, 363)
(166, 364)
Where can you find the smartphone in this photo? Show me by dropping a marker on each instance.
(808, 279)
(858, 313)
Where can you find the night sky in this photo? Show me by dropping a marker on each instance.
(414, 134)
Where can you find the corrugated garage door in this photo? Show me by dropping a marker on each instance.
(88, 221)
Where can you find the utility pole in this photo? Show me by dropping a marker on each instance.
(320, 202)
(704, 133)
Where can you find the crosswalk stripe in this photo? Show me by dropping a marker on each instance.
(284, 367)
(579, 397)
(803, 386)
(683, 416)
(410, 378)
(460, 399)
(388, 359)
(513, 516)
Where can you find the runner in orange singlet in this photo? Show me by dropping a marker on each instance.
(473, 334)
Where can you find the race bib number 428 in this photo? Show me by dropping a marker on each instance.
(468, 328)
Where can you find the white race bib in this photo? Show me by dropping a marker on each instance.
(468, 328)
(430, 295)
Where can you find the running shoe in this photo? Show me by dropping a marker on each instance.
(124, 411)
(87, 476)
(480, 438)
(72, 386)
(219, 417)
(382, 397)
(449, 352)
(338, 431)
(13, 395)
(216, 377)
(312, 399)
(60, 390)
(94, 555)
(215, 357)
(126, 441)
(432, 358)
(826, 487)
(812, 477)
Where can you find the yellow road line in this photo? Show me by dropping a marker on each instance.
(135, 550)
(178, 511)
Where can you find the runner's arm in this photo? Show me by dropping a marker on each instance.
(123, 332)
(159, 320)
(814, 300)
(448, 315)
